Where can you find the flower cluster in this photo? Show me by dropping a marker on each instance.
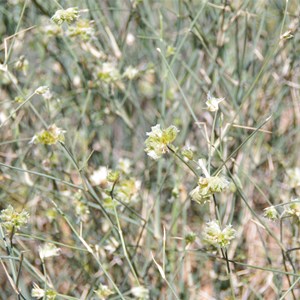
(22, 64)
(103, 292)
(159, 139)
(213, 235)
(82, 29)
(108, 73)
(127, 190)
(99, 176)
(48, 250)
(52, 30)
(41, 90)
(65, 15)
(130, 72)
(140, 292)
(293, 210)
(39, 293)
(50, 136)
(271, 213)
(212, 102)
(13, 220)
(44, 91)
(207, 186)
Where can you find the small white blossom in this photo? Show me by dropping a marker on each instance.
(108, 72)
(293, 210)
(130, 72)
(212, 102)
(65, 15)
(271, 213)
(50, 136)
(140, 292)
(99, 177)
(11, 219)
(103, 292)
(159, 139)
(215, 236)
(48, 250)
(39, 293)
(124, 165)
(207, 186)
(82, 29)
(42, 90)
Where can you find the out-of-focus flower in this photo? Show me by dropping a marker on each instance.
(38, 293)
(113, 176)
(207, 186)
(140, 292)
(190, 237)
(127, 190)
(159, 139)
(124, 165)
(48, 250)
(108, 73)
(212, 102)
(19, 99)
(52, 30)
(13, 220)
(50, 136)
(293, 210)
(41, 90)
(110, 203)
(130, 72)
(103, 292)
(65, 15)
(130, 39)
(82, 29)
(22, 64)
(187, 153)
(287, 35)
(215, 236)
(170, 51)
(271, 213)
(293, 177)
(99, 177)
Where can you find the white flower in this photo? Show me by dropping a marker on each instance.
(50, 136)
(159, 139)
(212, 102)
(103, 292)
(13, 220)
(140, 292)
(37, 292)
(108, 72)
(42, 90)
(65, 15)
(83, 29)
(130, 72)
(48, 250)
(271, 213)
(52, 29)
(207, 186)
(293, 210)
(215, 236)
(99, 177)
(124, 165)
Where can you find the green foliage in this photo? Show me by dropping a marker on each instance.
(109, 210)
